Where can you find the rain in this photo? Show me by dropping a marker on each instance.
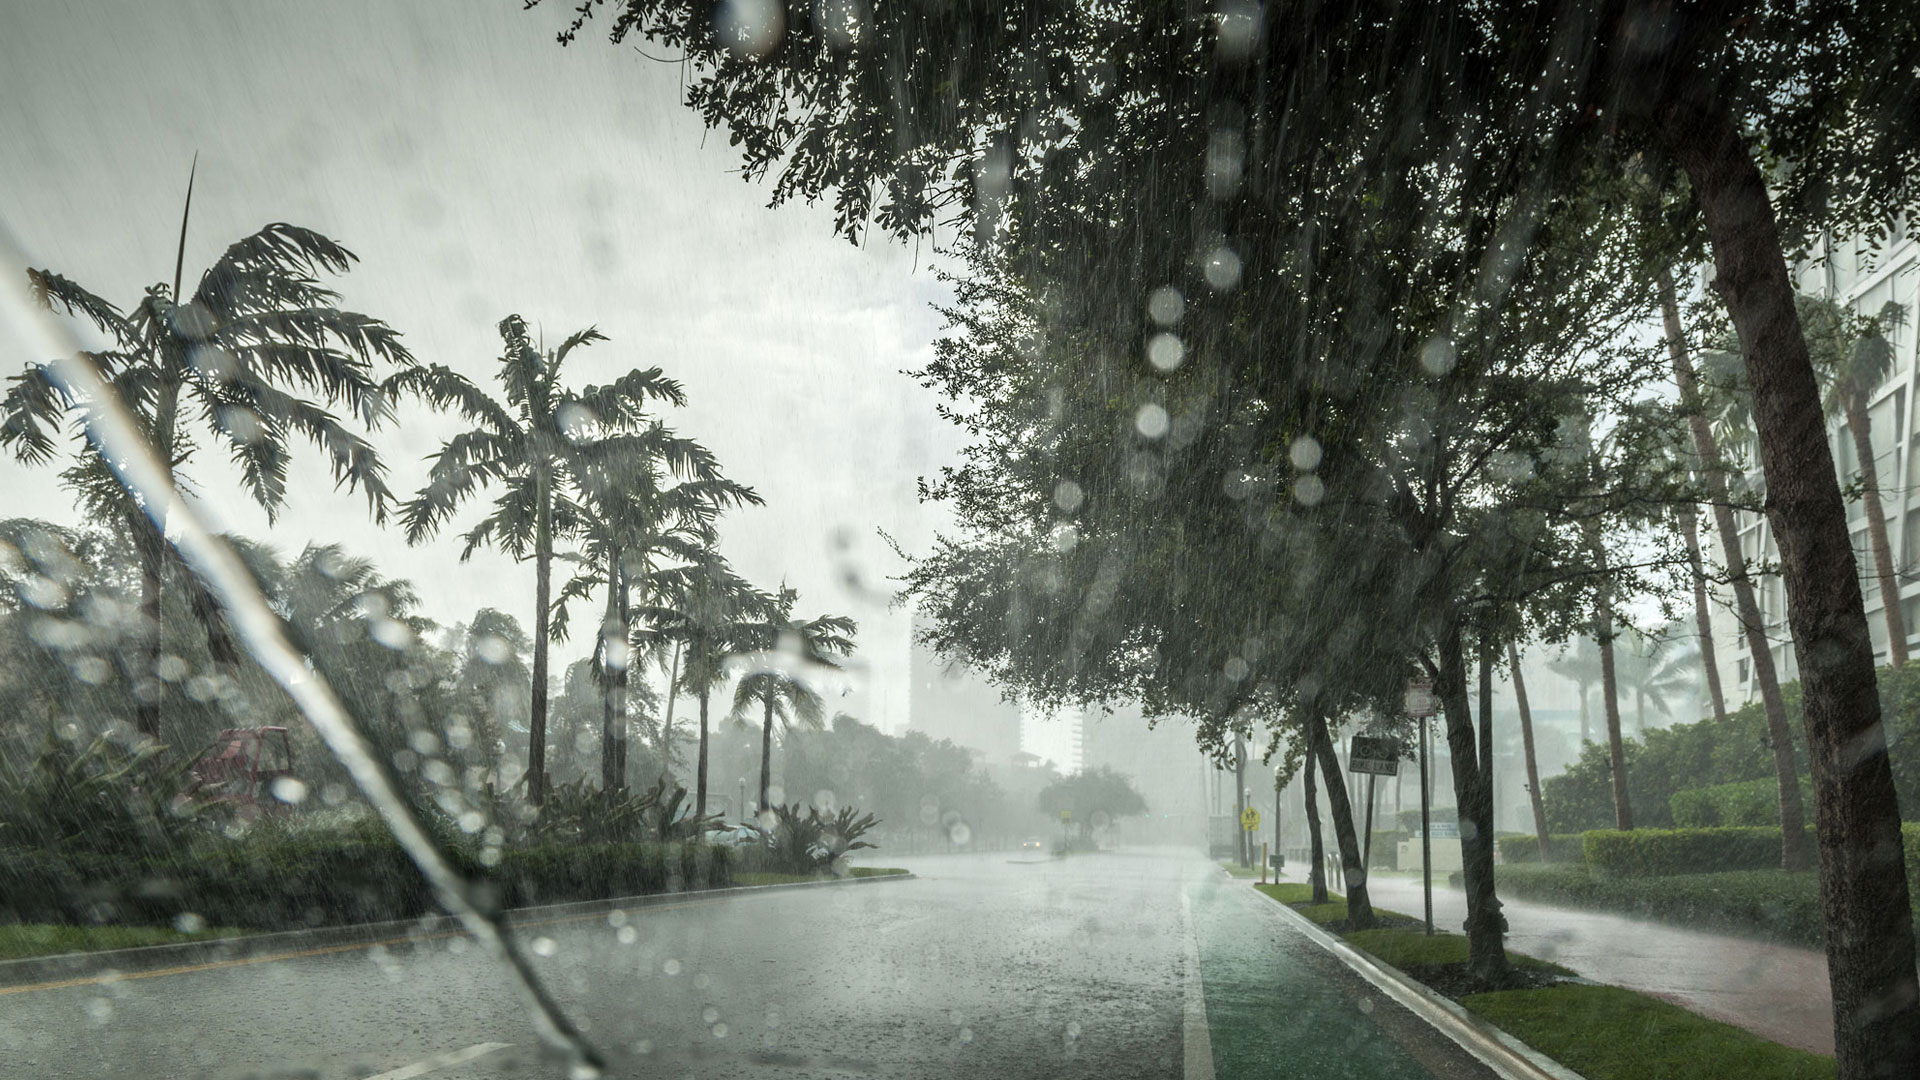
(599, 538)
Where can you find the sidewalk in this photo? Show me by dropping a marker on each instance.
(1778, 992)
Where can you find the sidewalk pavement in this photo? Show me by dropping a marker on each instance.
(1778, 992)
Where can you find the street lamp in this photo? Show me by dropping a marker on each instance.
(743, 798)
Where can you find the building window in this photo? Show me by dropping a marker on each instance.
(1743, 669)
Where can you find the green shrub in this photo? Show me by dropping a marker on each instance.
(1665, 852)
(1747, 803)
(1764, 903)
(292, 880)
(1525, 848)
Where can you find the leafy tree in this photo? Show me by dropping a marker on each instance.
(253, 360)
(530, 445)
(1307, 133)
(1093, 798)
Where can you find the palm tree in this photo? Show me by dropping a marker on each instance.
(255, 358)
(780, 687)
(1730, 400)
(530, 445)
(1526, 746)
(1581, 664)
(1853, 357)
(713, 615)
(1656, 670)
(643, 497)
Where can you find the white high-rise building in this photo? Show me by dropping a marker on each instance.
(1865, 281)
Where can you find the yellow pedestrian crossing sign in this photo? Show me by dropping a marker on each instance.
(1249, 819)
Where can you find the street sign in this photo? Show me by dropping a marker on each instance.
(1249, 819)
(1419, 701)
(1374, 754)
(1066, 816)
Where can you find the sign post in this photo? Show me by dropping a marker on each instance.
(1376, 756)
(1420, 707)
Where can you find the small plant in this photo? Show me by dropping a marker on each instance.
(104, 797)
(810, 843)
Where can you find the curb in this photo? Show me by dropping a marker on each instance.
(90, 965)
(1507, 1056)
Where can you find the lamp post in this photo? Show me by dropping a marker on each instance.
(743, 798)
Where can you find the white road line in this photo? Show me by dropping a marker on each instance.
(440, 1061)
(1196, 1040)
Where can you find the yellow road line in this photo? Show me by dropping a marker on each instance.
(324, 950)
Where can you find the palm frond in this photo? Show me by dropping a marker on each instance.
(54, 292)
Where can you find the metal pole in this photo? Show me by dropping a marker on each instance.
(1426, 831)
(1278, 841)
(1366, 843)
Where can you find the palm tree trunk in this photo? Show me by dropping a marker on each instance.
(666, 723)
(607, 752)
(1526, 749)
(620, 678)
(1316, 847)
(1352, 865)
(542, 601)
(1863, 882)
(1861, 425)
(1610, 686)
(700, 776)
(766, 754)
(1486, 948)
(1794, 852)
(1702, 615)
(150, 545)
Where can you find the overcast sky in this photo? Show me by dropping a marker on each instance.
(479, 169)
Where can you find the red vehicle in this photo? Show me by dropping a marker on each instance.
(243, 765)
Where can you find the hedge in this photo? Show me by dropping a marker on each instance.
(1665, 852)
(1746, 803)
(293, 882)
(1525, 848)
(1765, 903)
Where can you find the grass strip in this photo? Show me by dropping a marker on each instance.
(21, 941)
(1604, 1033)
(1601, 1032)
(1236, 870)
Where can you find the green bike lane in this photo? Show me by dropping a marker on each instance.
(1279, 1005)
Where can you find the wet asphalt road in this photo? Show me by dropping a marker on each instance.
(984, 966)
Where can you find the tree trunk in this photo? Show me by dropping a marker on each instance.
(609, 753)
(1486, 723)
(666, 722)
(1526, 749)
(542, 601)
(700, 776)
(1863, 883)
(1316, 848)
(1689, 523)
(766, 755)
(1486, 949)
(1352, 862)
(1861, 426)
(1610, 683)
(150, 545)
(1794, 853)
